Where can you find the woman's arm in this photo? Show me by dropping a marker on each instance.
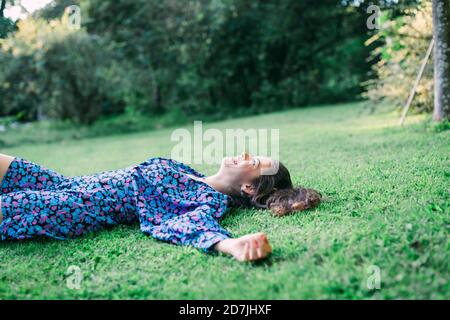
(250, 247)
(197, 228)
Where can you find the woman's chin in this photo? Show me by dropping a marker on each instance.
(227, 162)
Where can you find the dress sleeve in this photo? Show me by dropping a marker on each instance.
(197, 228)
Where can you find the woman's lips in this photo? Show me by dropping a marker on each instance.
(235, 160)
(232, 161)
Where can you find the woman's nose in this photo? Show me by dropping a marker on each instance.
(245, 156)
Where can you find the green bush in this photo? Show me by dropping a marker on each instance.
(49, 70)
(199, 58)
(228, 57)
(18, 81)
(77, 71)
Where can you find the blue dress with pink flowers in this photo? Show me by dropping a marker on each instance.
(158, 193)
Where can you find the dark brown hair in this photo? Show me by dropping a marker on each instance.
(283, 202)
(277, 193)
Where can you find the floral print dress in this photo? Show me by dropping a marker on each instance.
(159, 194)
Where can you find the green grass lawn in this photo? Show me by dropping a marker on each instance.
(387, 205)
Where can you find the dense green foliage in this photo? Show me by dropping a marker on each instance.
(218, 58)
(238, 54)
(196, 57)
(387, 205)
(405, 40)
(47, 69)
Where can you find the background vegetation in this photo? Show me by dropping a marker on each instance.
(214, 58)
(405, 40)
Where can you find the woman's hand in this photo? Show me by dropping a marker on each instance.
(250, 247)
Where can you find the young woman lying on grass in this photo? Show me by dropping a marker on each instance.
(171, 201)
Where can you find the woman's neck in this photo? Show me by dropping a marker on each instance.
(219, 183)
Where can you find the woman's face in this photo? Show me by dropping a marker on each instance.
(243, 169)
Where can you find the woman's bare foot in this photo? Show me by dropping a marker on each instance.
(250, 247)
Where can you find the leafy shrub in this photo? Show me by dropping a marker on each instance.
(405, 41)
(49, 70)
(77, 71)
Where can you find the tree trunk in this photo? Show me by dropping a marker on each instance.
(2, 7)
(441, 34)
